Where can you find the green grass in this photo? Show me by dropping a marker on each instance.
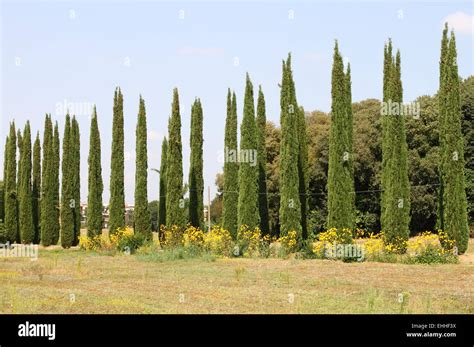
(75, 281)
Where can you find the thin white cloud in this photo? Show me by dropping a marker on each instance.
(461, 22)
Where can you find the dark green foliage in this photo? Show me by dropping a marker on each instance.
(303, 171)
(340, 169)
(55, 180)
(67, 197)
(141, 213)
(262, 163)
(36, 189)
(231, 168)
(248, 213)
(467, 109)
(395, 204)
(27, 231)
(163, 169)
(48, 203)
(454, 206)
(11, 197)
(174, 188)
(290, 203)
(196, 180)
(76, 178)
(95, 184)
(117, 193)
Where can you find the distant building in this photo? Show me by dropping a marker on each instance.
(106, 215)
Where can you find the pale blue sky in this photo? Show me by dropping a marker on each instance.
(52, 51)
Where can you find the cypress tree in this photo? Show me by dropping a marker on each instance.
(196, 180)
(11, 197)
(163, 169)
(48, 204)
(76, 178)
(303, 171)
(452, 152)
(36, 189)
(441, 120)
(95, 184)
(117, 193)
(340, 171)
(395, 218)
(248, 213)
(174, 186)
(67, 197)
(262, 163)
(27, 232)
(290, 203)
(141, 214)
(231, 168)
(55, 161)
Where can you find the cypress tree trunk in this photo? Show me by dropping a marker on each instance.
(262, 163)
(76, 178)
(452, 153)
(395, 218)
(67, 197)
(196, 180)
(11, 198)
(48, 205)
(141, 214)
(55, 184)
(95, 184)
(290, 203)
(163, 169)
(340, 172)
(231, 168)
(27, 231)
(248, 213)
(174, 186)
(117, 193)
(36, 189)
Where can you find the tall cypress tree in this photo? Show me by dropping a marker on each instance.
(76, 178)
(196, 180)
(340, 171)
(262, 163)
(141, 214)
(452, 152)
(290, 203)
(303, 171)
(36, 189)
(174, 186)
(95, 184)
(67, 197)
(48, 204)
(231, 168)
(27, 231)
(248, 213)
(395, 218)
(117, 192)
(11, 197)
(163, 170)
(55, 178)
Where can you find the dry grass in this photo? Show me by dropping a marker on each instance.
(74, 281)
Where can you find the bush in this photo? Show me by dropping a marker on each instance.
(3, 237)
(124, 240)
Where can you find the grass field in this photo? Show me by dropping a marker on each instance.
(75, 281)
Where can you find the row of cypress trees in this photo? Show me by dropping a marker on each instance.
(32, 199)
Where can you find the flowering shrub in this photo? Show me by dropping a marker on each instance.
(289, 242)
(193, 237)
(249, 241)
(124, 240)
(172, 237)
(328, 239)
(218, 241)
